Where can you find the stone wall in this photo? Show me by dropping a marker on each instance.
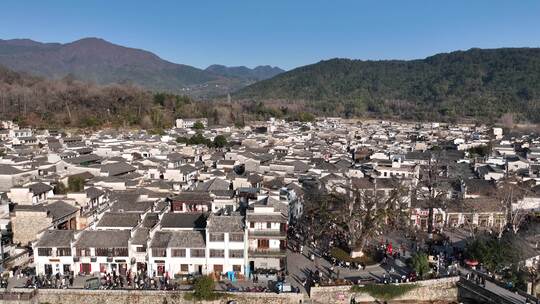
(27, 224)
(430, 291)
(72, 296)
(440, 290)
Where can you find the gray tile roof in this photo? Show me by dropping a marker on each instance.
(55, 238)
(140, 236)
(225, 223)
(119, 219)
(183, 220)
(178, 239)
(39, 188)
(119, 168)
(133, 206)
(193, 196)
(9, 170)
(103, 239)
(150, 220)
(213, 184)
(60, 209)
(87, 158)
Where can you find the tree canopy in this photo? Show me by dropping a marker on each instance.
(478, 83)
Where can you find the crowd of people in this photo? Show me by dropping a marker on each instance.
(137, 280)
(50, 281)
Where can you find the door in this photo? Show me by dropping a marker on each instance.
(122, 268)
(160, 269)
(66, 269)
(141, 267)
(86, 268)
(48, 269)
(218, 269)
(103, 267)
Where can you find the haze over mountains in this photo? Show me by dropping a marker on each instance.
(102, 62)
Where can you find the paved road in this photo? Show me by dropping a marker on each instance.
(300, 265)
(498, 290)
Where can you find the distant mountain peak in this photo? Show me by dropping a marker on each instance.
(98, 60)
(258, 73)
(21, 42)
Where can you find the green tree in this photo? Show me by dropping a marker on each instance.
(60, 188)
(420, 264)
(204, 288)
(306, 117)
(198, 125)
(494, 254)
(182, 140)
(159, 98)
(220, 141)
(75, 184)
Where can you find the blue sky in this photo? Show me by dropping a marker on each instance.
(286, 33)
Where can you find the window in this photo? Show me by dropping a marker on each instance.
(184, 267)
(120, 252)
(268, 225)
(141, 249)
(263, 244)
(217, 253)
(198, 253)
(83, 252)
(217, 237)
(252, 225)
(63, 251)
(236, 253)
(178, 253)
(102, 267)
(237, 268)
(45, 251)
(159, 252)
(102, 252)
(236, 237)
(218, 268)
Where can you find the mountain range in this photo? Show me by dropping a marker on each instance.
(99, 61)
(482, 84)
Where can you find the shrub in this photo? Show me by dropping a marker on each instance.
(220, 141)
(384, 292)
(198, 125)
(420, 264)
(204, 288)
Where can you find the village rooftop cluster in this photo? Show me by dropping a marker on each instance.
(131, 202)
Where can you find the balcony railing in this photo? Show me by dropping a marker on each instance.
(267, 252)
(267, 233)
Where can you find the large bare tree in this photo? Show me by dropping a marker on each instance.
(433, 187)
(512, 196)
(357, 215)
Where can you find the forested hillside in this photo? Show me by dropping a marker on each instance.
(39, 102)
(99, 61)
(479, 84)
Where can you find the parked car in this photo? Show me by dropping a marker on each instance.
(283, 287)
(92, 283)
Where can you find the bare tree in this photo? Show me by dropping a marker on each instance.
(507, 120)
(357, 215)
(512, 198)
(533, 275)
(432, 188)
